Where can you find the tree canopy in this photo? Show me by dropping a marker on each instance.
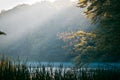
(103, 43)
(107, 14)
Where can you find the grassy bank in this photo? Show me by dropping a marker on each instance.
(11, 71)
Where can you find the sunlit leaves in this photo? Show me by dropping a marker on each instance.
(80, 40)
(107, 14)
(82, 3)
(96, 10)
(104, 44)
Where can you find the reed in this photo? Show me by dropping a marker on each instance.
(11, 71)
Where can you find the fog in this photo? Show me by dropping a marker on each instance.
(31, 29)
(9, 4)
(26, 19)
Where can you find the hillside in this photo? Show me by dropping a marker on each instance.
(32, 30)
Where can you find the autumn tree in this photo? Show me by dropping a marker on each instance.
(107, 14)
(102, 44)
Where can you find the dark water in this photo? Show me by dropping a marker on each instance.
(71, 64)
(104, 65)
(54, 64)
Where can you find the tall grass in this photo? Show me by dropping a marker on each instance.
(11, 71)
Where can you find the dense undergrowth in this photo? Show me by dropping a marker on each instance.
(12, 71)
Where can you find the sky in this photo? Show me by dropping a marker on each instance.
(8, 4)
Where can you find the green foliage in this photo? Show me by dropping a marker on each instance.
(103, 43)
(100, 10)
(107, 14)
(82, 44)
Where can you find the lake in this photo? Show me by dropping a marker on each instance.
(54, 64)
(33, 66)
(71, 64)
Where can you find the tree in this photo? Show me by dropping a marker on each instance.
(105, 45)
(107, 14)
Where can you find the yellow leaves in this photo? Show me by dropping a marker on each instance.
(105, 14)
(89, 47)
(79, 40)
(91, 15)
(83, 39)
(91, 34)
(88, 14)
(82, 33)
(82, 42)
(81, 1)
(79, 33)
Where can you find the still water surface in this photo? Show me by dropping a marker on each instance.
(71, 64)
